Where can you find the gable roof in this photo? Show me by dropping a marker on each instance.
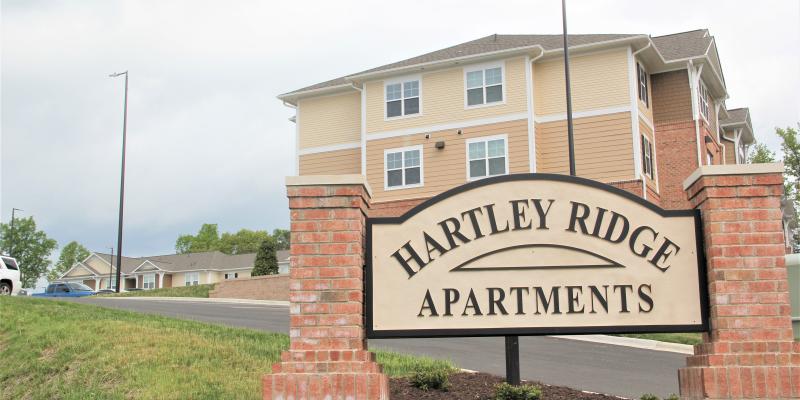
(740, 118)
(128, 263)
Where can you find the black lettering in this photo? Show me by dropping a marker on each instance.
(553, 299)
(580, 220)
(598, 222)
(493, 221)
(645, 297)
(474, 220)
(496, 302)
(603, 299)
(412, 256)
(573, 293)
(472, 303)
(427, 304)
(518, 214)
(450, 297)
(635, 236)
(431, 244)
(613, 224)
(542, 212)
(453, 233)
(520, 309)
(623, 296)
(663, 253)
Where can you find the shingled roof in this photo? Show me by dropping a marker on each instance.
(736, 116)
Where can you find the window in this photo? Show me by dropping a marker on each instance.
(484, 86)
(487, 157)
(647, 157)
(402, 98)
(10, 263)
(702, 97)
(709, 158)
(191, 278)
(78, 287)
(403, 168)
(149, 281)
(642, 74)
(107, 283)
(61, 288)
(232, 275)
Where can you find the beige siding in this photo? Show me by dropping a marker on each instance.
(98, 265)
(603, 147)
(645, 130)
(329, 120)
(443, 99)
(730, 151)
(446, 168)
(599, 80)
(645, 110)
(331, 162)
(78, 271)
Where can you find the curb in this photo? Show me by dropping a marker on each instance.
(204, 300)
(645, 344)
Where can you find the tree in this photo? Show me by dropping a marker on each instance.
(791, 159)
(207, 239)
(71, 254)
(760, 154)
(242, 242)
(30, 247)
(282, 238)
(266, 259)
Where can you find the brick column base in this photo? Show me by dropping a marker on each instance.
(750, 352)
(327, 356)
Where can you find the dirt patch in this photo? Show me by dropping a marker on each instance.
(480, 386)
(48, 354)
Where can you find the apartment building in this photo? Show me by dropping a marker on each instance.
(647, 112)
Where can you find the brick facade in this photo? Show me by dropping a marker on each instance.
(327, 356)
(750, 351)
(269, 287)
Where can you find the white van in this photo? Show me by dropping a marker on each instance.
(9, 276)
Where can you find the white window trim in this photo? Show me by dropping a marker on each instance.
(640, 67)
(483, 67)
(421, 183)
(701, 87)
(400, 80)
(485, 139)
(144, 281)
(187, 282)
(645, 150)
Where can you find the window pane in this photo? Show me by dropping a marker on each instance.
(474, 79)
(393, 92)
(412, 106)
(411, 89)
(497, 166)
(412, 158)
(477, 168)
(497, 148)
(494, 76)
(394, 160)
(393, 108)
(474, 96)
(394, 178)
(477, 150)
(412, 176)
(494, 93)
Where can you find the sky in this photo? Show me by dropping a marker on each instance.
(208, 142)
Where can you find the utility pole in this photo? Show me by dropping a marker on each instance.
(122, 178)
(11, 233)
(570, 138)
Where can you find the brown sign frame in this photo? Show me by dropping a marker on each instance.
(703, 326)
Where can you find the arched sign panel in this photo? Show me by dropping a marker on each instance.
(534, 254)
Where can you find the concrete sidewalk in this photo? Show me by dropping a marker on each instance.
(201, 300)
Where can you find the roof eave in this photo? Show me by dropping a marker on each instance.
(293, 97)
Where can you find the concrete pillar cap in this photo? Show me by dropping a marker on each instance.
(738, 169)
(322, 180)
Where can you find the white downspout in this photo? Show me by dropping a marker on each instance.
(694, 80)
(636, 106)
(296, 137)
(531, 92)
(363, 94)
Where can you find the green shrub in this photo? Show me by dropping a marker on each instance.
(430, 378)
(504, 391)
(649, 396)
(673, 397)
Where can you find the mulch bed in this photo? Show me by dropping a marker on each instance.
(480, 386)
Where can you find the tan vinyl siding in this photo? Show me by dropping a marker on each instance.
(446, 168)
(99, 265)
(442, 99)
(329, 120)
(603, 147)
(645, 130)
(598, 80)
(78, 271)
(645, 110)
(730, 151)
(331, 163)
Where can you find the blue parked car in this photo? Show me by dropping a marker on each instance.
(70, 289)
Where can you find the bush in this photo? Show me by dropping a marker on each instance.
(649, 396)
(430, 378)
(504, 391)
(672, 397)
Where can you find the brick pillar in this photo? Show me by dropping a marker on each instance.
(750, 352)
(328, 356)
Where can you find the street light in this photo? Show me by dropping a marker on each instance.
(11, 233)
(122, 177)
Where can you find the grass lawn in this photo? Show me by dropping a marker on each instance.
(60, 350)
(682, 338)
(180, 291)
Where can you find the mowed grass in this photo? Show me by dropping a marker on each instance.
(682, 338)
(180, 291)
(59, 350)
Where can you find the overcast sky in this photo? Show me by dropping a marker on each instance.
(207, 139)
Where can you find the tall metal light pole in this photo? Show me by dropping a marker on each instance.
(12, 233)
(570, 138)
(122, 178)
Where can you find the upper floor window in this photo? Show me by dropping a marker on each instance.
(642, 74)
(487, 156)
(403, 168)
(402, 98)
(647, 157)
(191, 278)
(484, 85)
(702, 99)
